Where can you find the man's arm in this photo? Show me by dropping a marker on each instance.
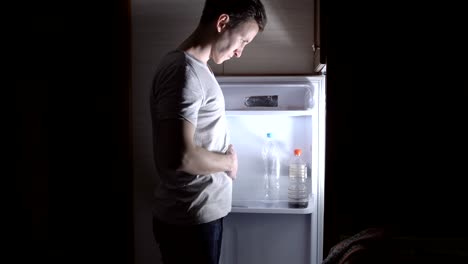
(177, 150)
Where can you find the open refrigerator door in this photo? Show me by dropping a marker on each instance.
(260, 230)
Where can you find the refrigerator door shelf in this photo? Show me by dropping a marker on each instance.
(261, 111)
(277, 95)
(271, 207)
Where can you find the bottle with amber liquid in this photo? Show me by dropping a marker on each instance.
(297, 186)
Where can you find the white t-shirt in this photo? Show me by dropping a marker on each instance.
(185, 88)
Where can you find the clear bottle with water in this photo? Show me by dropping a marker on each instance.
(271, 160)
(297, 186)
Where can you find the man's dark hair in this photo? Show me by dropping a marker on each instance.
(238, 10)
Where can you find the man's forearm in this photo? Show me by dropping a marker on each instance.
(199, 161)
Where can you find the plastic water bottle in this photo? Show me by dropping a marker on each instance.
(297, 187)
(271, 160)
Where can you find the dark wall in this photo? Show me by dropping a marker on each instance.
(70, 67)
(396, 131)
(396, 115)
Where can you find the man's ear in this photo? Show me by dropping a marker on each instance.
(222, 22)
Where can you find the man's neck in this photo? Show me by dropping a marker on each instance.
(198, 44)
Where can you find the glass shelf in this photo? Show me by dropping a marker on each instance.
(269, 112)
(275, 207)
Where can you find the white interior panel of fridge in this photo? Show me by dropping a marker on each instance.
(248, 134)
(284, 108)
(256, 238)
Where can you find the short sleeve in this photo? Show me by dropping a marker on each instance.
(179, 95)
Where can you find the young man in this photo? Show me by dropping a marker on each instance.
(195, 163)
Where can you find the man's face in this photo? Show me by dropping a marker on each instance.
(232, 42)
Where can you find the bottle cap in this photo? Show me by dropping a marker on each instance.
(297, 152)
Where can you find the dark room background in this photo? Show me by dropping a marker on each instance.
(396, 136)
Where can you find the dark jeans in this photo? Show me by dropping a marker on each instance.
(191, 244)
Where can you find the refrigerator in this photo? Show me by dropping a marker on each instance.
(292, 108)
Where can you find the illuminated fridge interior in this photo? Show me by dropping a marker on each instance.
(259, 230)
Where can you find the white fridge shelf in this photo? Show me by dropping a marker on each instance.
(275, 207)
(269, 112)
